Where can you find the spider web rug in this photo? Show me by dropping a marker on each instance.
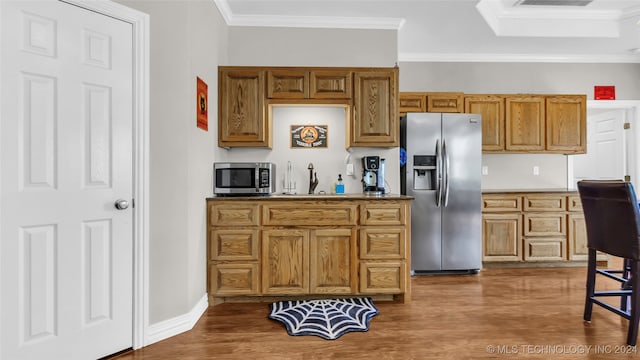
(328, 319)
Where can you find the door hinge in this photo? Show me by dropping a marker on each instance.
(627, 126)
(627, 178)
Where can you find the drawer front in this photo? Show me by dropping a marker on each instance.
(234, 244)
(574, 203)
(383, 214)
(382, 277)
(233, 279)
(545, 225)
(309, 213)
(445, 102)
(545, 249)
(241, 214)
(330, 84)
(287, 84)
(382, 243)
(497, 203)
(544, 202)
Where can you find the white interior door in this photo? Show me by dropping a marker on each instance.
(606, 156)
(65, 158)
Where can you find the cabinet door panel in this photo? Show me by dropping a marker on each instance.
(285, 256)
(492, 110)
(242, 120)
(332, 261)
(375, 109)
(501, 237)
(567, 124)
(525, 123)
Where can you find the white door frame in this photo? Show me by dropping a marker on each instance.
(140, 27)
(632, 108)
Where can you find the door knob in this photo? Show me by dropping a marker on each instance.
(121, 204)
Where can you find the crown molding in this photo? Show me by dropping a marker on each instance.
(534, 58)
(334, 22)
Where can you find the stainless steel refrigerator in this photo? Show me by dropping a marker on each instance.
(442, 172)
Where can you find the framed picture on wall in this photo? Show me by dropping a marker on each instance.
(309, 136)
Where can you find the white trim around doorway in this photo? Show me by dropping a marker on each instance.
(632, 109)
(140, 28)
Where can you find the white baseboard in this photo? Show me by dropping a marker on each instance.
(179, 324)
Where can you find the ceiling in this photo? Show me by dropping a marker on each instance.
(467, 30)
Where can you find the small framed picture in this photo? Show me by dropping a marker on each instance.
(308, 136)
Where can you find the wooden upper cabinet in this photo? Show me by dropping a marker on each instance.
(375, 109)
(525, 123)
(493, 120)
(287, 84)
(412, 102)
(567, 123)
(241, 110)
(330, 84)
(445, 102)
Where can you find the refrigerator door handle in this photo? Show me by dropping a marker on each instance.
(445, 176)
(438, 174)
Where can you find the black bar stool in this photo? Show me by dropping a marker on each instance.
(612, 218)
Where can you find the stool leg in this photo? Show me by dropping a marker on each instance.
(632, 335)
(591, 284)
(626, 273)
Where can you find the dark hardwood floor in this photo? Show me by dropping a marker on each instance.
(499, 314)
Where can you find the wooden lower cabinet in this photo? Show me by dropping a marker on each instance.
(285, 258)
(332, 256)
(302, 248)
(534, 228)
(501, 237)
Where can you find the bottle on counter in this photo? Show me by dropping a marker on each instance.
(339, 185)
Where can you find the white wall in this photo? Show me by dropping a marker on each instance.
(514, 171)
(188, 39)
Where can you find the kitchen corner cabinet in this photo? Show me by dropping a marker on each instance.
(242, 119)
(530, 228)
(278, 247)
(245, 95)
(375, 108)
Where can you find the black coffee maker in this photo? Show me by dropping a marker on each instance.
(373, 175)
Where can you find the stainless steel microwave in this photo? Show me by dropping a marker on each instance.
(244, 178)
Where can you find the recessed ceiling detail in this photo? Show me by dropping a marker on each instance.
(554, 2)
(549, 21)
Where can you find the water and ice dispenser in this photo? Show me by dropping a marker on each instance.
(424, 172)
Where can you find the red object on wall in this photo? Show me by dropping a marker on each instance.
(604, 92)
(202, 105)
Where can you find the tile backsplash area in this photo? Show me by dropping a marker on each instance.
(327, 162)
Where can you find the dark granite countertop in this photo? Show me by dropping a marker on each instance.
(512, 191)
(355, 196)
